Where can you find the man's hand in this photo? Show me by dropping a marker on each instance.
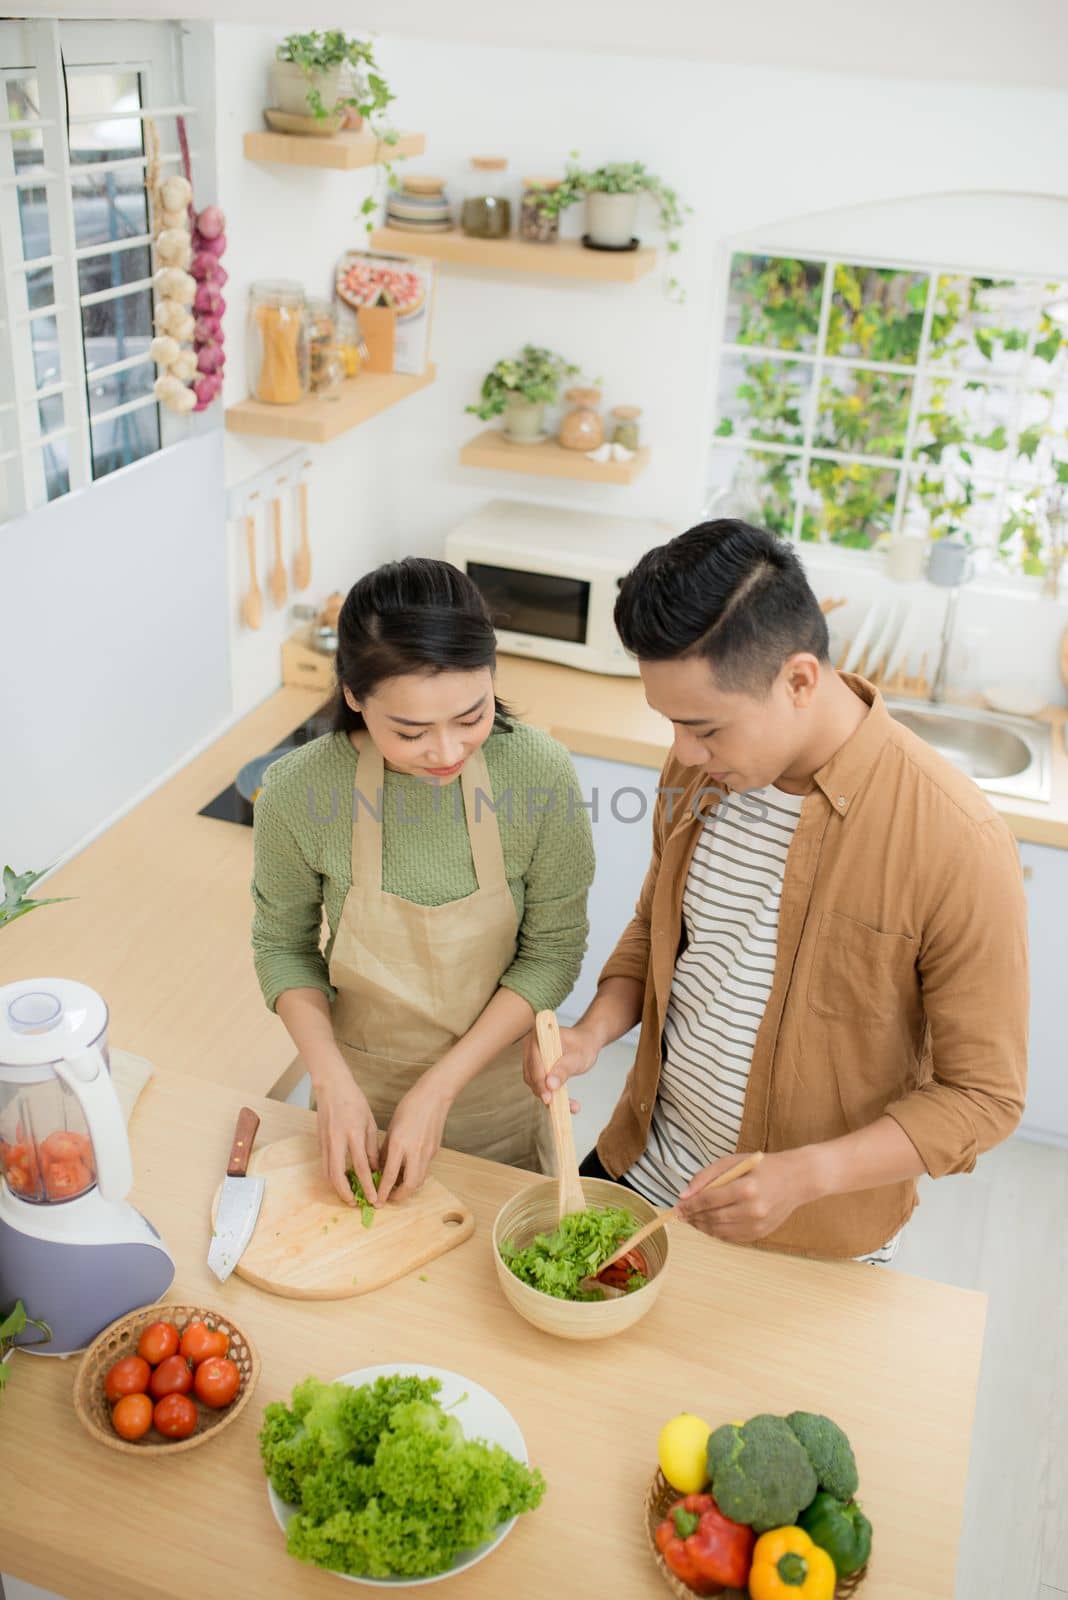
(751, 1207)
(579, 1055)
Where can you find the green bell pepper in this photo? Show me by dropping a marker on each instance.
(839, 1527)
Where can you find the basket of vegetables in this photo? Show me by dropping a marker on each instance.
(764, 1509)
(546, 1267)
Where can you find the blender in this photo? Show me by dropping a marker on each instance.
(71, 1248)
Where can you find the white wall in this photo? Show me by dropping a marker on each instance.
(114, 645)
(749, 148)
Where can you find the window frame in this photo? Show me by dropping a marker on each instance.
(48, 50)
(818, 363)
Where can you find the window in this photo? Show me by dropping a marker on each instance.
(76, 378)
(859, 398)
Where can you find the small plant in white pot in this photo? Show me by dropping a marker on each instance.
(519, 388)
(328, 76)
(612, 194)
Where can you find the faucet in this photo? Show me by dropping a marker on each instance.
(938, 684)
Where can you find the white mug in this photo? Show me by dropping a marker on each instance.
(905, 557)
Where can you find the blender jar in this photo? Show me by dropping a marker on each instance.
(53, 1046)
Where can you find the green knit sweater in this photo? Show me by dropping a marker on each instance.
(303, 858)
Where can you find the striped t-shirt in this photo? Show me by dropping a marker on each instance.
(730, 909)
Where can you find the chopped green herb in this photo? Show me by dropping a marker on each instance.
(367, 1210)
(423, 1278)
(557, 1262)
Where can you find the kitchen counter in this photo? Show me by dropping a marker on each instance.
(894, 1359)
(597, 715)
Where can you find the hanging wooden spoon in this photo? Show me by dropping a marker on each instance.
(279, 586)
(302, 562)
(569, 1185)
(252, 604)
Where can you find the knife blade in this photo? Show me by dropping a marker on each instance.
(239, 1201)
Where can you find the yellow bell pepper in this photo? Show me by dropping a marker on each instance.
(788, 1566)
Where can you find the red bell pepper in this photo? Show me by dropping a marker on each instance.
(703, 1547)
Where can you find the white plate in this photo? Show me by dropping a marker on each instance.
(482, 1417)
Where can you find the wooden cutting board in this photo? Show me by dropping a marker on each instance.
(308, 1245)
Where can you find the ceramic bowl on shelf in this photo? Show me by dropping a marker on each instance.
(534, 1210)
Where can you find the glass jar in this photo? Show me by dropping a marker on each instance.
(582, 428)
(626, 429)
(325, 367)
(535, 225)
(487, 211)
(277, 343)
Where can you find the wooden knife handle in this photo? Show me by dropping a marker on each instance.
(247, 1123)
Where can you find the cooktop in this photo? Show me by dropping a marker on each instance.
(231, 806)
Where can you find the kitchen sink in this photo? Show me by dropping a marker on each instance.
(1006, 755)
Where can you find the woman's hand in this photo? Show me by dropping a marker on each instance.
(413, 1138)
(579, 1054)
(348, 1136)
(751, 1207)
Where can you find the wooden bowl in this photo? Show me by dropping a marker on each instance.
(534, 1210)
(94, 1409)
(658, 1502)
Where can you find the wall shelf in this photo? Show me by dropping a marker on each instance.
(317, 420)
(341, 150)
(493, 451)
(565, 259)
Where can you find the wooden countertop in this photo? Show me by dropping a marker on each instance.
(894, 1359)
(597, 715)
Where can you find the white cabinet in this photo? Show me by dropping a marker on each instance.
(1046, 1111)
(622, 821)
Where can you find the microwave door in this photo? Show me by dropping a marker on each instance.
(543, 605)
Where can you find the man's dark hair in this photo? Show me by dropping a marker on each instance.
(729, 592)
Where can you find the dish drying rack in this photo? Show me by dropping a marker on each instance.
(879, 650)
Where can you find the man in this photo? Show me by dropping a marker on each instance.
(829, 954)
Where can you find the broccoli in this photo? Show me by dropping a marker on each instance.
(760, 1474)
(829, 1451)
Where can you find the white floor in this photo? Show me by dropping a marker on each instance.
(1002, 1229)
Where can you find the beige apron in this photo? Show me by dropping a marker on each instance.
(412, 979)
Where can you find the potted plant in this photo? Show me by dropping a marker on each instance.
(611, 194)
(15, 904)
(12, 1327)
(519, 388)
(327, 75)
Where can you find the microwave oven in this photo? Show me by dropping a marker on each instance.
(550, 578)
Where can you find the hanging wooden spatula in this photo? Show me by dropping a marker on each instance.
(569, 1185)
(740, 1168)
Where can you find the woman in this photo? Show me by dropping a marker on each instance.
(445, 843)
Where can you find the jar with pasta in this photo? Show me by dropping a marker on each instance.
(277, 343)
(325, 366)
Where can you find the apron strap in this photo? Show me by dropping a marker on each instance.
(487, 853)
(483, 830)
(368, 804)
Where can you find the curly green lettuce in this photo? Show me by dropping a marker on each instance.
(577, 1248)
(404, 1494)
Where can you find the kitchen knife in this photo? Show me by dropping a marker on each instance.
(239, 1201)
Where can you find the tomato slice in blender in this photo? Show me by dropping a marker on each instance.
(64, 1179)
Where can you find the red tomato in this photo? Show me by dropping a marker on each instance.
(217, 1381)
(158, 1341)
(175, 1416)
(63, 1147)
(20, 1180)
(132, 1417)
(172, 1376)
(128, 1376)
(64, 1179)
(199, 1342)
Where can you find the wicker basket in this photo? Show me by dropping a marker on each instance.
(94, 1409)
(659, 1500)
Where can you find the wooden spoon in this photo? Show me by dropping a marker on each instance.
(279, 586)
(302, 562)
(569, 1196)
(739, 1170)
(252, 604)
